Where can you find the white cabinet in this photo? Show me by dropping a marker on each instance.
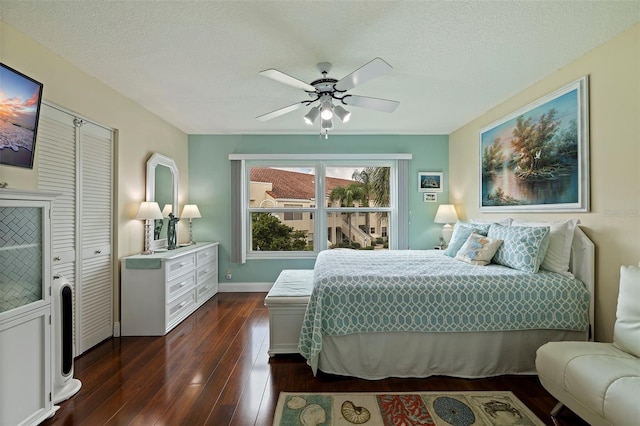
(160, 290)
(25, 308)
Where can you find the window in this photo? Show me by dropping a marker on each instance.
(296, 205)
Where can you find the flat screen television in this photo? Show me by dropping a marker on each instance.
(20, 98)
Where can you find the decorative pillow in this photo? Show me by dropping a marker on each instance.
(560, 238)
(478, 250)
(461, 232)
(523, 247)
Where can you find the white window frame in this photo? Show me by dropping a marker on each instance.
(320, 212)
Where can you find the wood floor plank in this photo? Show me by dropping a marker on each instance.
(213, 368)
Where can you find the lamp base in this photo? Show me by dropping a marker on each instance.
(447, 232)
(147, 237)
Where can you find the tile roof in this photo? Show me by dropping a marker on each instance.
(292, 185)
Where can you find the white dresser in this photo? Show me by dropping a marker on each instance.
(160, 290)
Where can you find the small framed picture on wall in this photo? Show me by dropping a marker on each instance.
(429, 182)
(430, 197)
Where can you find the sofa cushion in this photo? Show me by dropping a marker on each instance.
(626, 332)
(594, 374)
(621, 403)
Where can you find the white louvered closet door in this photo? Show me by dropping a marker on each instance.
(95, 219)
(56, 158)
(75, 159)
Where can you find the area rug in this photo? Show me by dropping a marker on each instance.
(410, 408)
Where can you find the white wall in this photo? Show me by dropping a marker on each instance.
(614, 220)
(139, 133)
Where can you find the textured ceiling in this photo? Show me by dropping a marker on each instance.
(196, 63)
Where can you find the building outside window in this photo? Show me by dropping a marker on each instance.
(283, 204)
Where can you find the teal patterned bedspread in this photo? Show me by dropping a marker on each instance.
(420, 290)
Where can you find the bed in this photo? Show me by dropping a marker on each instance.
(419, 313)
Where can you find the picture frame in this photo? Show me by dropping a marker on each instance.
(430, 197)
(430, 181)
(548, 171)
(20, 100)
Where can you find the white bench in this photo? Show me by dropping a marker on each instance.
(287, 301)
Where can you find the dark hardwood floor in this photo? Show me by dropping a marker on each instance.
(214, 369)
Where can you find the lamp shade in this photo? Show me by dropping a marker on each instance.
(327, 113)
(327, 124)
(190, 211)
(149, 210)
(168, 208)
(312, 115)
(342, 113)
(446, 214)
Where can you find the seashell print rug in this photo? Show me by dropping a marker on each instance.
(407, 408)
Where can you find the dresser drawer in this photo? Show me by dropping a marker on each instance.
(207, 255)
(181, 307)
(180, 284)
(207, 270)
(206, 289)
(181, 265)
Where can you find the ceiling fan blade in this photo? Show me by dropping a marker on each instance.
(377, 104)
(279, 112)
(363, 74)
(287, 79)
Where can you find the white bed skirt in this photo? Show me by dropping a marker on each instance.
(376, 356)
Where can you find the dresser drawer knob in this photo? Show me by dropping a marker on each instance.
(182, 263)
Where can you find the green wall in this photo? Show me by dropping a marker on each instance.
(209, 186)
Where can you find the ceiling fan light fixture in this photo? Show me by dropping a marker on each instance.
(326, 124)
(327, 113)
(342, 113)
(311, 116)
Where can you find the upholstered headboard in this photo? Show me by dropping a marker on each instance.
(582, 265)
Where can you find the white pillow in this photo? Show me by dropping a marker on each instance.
(504, 222)
(478, 250)
(557, 257)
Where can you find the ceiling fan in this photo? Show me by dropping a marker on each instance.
(324, 91)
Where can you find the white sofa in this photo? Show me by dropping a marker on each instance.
(600, 381)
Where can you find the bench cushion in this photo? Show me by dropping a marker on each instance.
(293, 282)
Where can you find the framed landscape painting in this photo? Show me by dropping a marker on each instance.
(537, 158)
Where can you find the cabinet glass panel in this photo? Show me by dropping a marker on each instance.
(20, 256)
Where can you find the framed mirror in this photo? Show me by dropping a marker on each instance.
(162, 187)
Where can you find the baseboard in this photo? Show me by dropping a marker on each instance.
(252, 287)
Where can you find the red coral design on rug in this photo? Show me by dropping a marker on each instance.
(404, 410)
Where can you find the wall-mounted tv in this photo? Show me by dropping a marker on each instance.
(20, 98)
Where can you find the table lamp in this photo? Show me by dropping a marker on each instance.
(190, 211)
(446, 214)
(148, 211)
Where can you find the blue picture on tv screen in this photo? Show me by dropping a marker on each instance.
(20, 98)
